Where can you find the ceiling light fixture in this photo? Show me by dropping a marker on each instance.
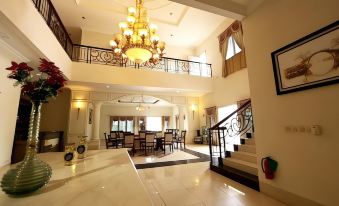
(139, 106)
(137, 40)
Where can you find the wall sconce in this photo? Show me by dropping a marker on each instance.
(78, 106)
(194, 108)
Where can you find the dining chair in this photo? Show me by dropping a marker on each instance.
(120, 138)
(168, 140)
(108, 141)
(142, 134)
(142, 138)
(149, 142)
(181, 139)
(129, 142)
(114, 139)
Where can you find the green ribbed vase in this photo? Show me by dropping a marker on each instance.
(31, 173)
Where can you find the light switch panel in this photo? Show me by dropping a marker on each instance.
(316, 129)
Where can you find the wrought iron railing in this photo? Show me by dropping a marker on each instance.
(95, 55)
(48, 12)
(228, 131)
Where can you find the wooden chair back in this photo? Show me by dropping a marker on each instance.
(168, 137)
(129, 139)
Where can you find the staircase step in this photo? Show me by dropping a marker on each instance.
(242, 177)
(245, 156)
(247, 148)
(241, 165)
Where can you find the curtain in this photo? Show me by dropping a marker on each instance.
(238, 61)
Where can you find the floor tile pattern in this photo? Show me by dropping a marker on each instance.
(196, 185)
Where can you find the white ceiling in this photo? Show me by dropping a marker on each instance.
(136, 98)
(189, 26)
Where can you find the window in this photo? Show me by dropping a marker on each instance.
(115, 125)
(166, 123)
(232, 48)
(153, 124)
(129, 126)
(122, 125)
(223, 112)
(203, 57)
(197, 68)
(125, 124)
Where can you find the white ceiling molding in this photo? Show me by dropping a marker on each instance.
(103, 16)
(15, 54)
(235, 9)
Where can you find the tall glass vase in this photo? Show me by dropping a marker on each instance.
(31, 173)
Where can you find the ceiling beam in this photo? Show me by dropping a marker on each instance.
(224, 8)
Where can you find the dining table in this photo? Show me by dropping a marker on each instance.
(159, 140)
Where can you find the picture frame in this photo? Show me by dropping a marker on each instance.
(90, 115)
(309, 62)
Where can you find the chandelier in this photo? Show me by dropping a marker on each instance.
(140, 108)
(137, 40)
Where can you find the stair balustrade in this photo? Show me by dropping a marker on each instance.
(235, 125)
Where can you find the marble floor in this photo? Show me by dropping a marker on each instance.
(202, 148)
(195, 185)
(140, 158)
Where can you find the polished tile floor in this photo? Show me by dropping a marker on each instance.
(195, 185)
(140, 158)
(202, 148)
(159, 156)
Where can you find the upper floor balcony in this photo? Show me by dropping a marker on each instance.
(104, 56)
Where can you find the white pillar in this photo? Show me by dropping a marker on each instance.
(96, 120)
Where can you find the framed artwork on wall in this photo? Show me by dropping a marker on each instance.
(90, 116)
(309, 62)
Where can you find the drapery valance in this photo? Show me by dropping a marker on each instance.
(238, 61)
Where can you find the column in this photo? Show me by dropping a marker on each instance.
(96, 120)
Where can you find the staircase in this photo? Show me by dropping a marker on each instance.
(244, 157)
(240, 164)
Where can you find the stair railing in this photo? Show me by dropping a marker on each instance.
(235, 125)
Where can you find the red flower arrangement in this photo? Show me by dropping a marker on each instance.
(41, 87)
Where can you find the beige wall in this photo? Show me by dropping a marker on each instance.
(211, 47)
(101, 40)
(112, 110)
(9, 102)
(308, 164)
(227, 90)
(23, 14)
(55, 113)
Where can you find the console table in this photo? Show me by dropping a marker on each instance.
(104, 177)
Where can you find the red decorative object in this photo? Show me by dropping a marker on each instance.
(39, 87)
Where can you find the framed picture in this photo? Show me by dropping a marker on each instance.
(309, 62)
(90, 115)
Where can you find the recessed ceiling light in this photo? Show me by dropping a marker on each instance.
(172, 35)
(107, 86)
(83, 17)
(178, 91)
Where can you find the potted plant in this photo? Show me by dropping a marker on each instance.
(32, 173)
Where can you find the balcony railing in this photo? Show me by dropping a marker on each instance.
(94, 55)
(48, 12)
